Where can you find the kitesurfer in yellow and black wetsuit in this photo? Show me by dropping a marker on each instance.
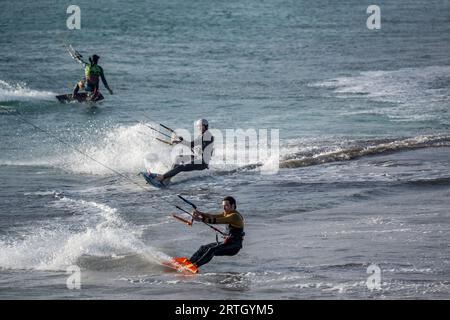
(232, 243)
(92, 72)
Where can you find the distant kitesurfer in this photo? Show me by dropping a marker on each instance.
(93, 72)
(201, 148)
(232, 243)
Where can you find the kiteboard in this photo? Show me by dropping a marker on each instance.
(151, 179)
(80, 97)
(181, 265)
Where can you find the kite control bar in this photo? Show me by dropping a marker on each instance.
(75, 54)
(162, 133)
(187, 201)
(167, 128)
(192, 217)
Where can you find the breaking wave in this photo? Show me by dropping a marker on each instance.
(356, 149)
(94, 232)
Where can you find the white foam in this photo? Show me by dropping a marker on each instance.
(20, 92)
(124, 149)
(130, 149)
(95, 230)
(40, 193)
(419, 93)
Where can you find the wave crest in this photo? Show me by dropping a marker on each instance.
(363, 148)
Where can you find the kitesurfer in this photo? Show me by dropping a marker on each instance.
(93, 73)
(201, 148)
(232, 243)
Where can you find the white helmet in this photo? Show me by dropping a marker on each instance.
(202, 122)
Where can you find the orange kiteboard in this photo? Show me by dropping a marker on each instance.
(181, 265)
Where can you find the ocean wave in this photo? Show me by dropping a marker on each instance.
(357, 149)
(132, 148)
(444, 181)
(95, 233)
(20, 92)
(417, 94)
(408, 85)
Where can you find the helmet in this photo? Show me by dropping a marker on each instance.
(202, 122)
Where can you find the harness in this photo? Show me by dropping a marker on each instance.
(234, 234)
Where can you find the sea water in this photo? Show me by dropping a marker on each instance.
(362, 176)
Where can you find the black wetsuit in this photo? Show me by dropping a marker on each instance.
(191, 163)
(232, 244)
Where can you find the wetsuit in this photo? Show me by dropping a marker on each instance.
(198, 160)
(93, 73)
(232, 243)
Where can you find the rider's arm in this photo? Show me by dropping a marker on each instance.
(190, 144)
(179, 140)
(199, 141)
(102, 76)
(219, 218)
